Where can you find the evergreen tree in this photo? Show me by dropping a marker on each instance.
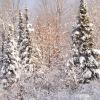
(2, 48)
(10, 66)
(24, 44)
(83, 56)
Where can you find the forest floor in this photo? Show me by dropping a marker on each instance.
(83, 92)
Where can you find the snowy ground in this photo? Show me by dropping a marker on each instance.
(29, 92)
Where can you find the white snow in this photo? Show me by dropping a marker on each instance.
(30, 28)
(91, 24)
(76, 32)
(97, 51)
(97, 71)
(82, 59)
(87, 74)
(84, 37)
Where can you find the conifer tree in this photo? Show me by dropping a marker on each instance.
(10, 67)
(2, 48)
(82, 38)
(24, 44)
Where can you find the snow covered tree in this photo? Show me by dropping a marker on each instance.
(10, 67)
(2, 48)
(83, 56)
(24, 44)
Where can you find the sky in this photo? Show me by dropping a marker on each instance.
(33, 6)
(29, 3)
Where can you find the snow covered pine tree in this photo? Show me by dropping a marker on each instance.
(2, 48)
(10, 71)
(24, 45)
(83, 56)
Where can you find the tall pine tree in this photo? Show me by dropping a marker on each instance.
(82, 38)
(10, 67)
(2, 47)
(24, 44)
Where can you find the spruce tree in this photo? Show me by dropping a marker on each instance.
(82, 38)
(24, 44)
(2, 47)
(10, 67)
